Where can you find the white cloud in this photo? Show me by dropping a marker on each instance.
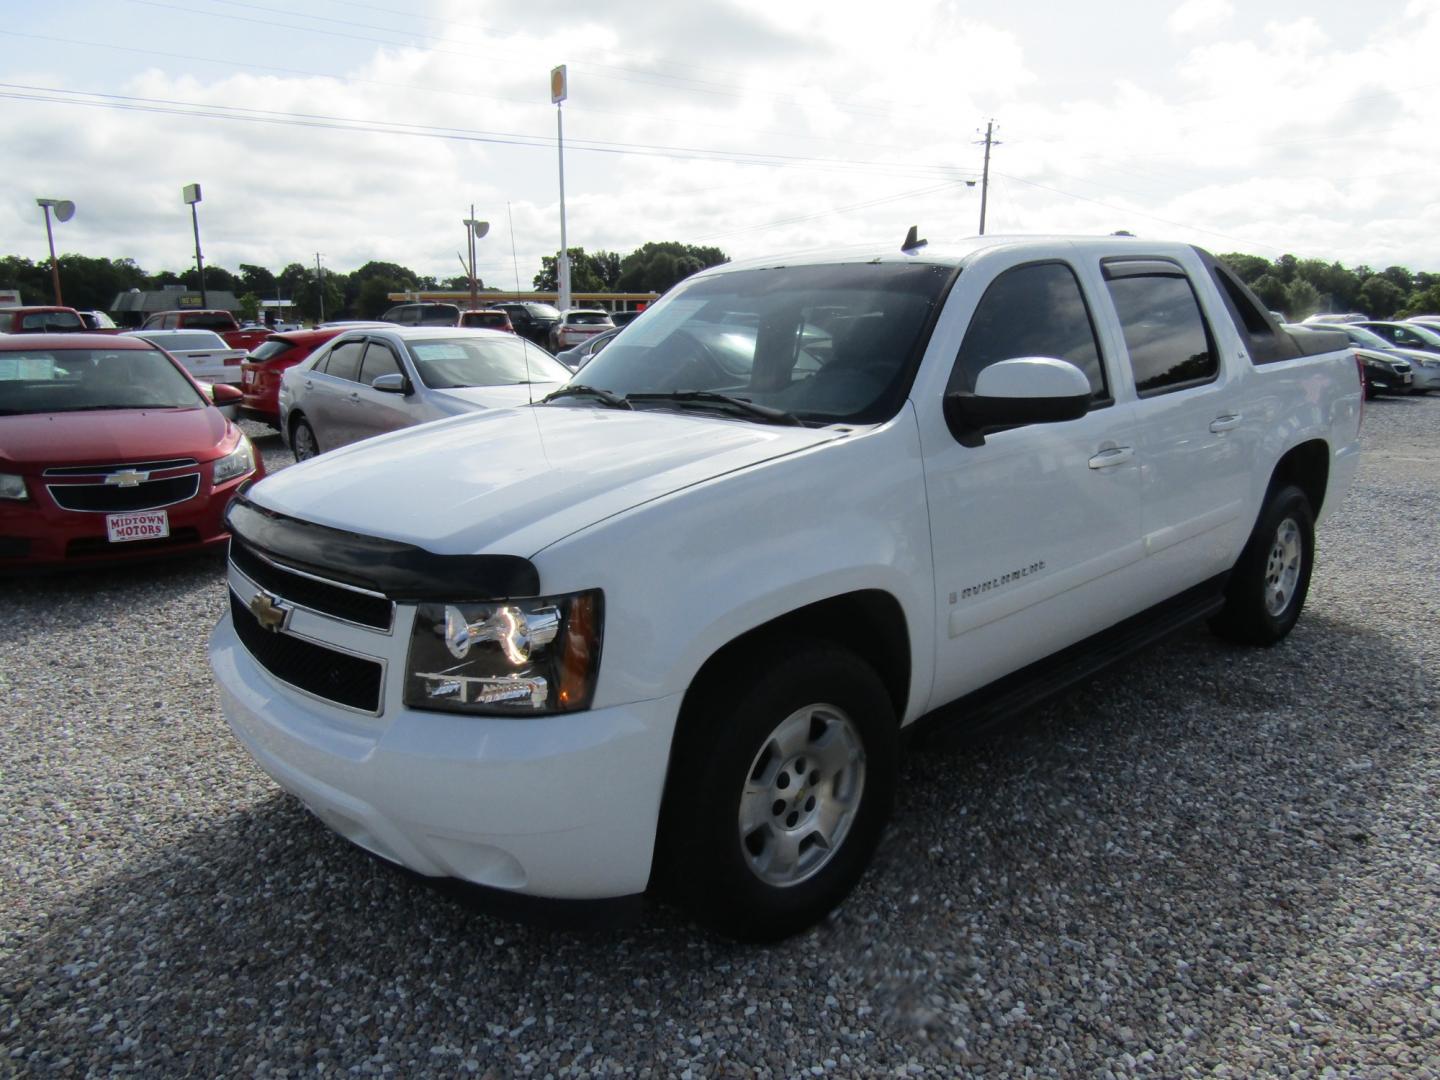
(1246, 141)
(1200, 16)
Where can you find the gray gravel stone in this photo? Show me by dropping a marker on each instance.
(1211, 862)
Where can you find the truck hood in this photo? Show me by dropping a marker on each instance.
(51, 440)
(514, 481)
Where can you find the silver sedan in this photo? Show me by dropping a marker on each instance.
(369, 381)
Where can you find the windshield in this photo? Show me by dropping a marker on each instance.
(270, 348)
(587, 318)
(51, 320)
(216, 321)
(826, 343)
(483, 360)
(188, 340)
(543, 311)
(71, 380)
(1368, 338)
(484, 318)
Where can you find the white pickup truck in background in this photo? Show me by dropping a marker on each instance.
(668, 626)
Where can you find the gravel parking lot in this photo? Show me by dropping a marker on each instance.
(1214, 861)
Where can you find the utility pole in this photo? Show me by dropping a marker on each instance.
(320, 285)
(559, 90)
(985, 176)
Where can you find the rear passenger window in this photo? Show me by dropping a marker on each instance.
(1035, 310)
(1264, 344)
(344, 361)
(379, 360)
(1169, 344)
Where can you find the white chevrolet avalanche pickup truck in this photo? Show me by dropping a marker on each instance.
(667, 626)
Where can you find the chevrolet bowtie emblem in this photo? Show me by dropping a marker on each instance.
(269, 611)
(127, 478)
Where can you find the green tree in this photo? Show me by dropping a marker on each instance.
(257, 280)
(372, 299)
(1380, 296)
(656, 267)
(587, 272)
(250, 307)
(1422, 301)
(217, 279)
(1271, 291)
(1399, 277)
(1248, 268)
(1301, 299)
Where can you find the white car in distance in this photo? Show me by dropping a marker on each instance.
(203, 353)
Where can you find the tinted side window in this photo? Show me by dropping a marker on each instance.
(379, 360)
(1262, 340)
(1035, 310)
(344, 362)
(1165, 333)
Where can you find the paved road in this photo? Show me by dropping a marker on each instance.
(1212, 861)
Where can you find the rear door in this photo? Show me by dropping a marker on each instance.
(327, 396)
(1194, 439)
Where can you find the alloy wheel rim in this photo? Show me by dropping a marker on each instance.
(801, 795)
(304, 443)
(1282, 569)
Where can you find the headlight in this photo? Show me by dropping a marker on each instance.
(12, 486)
(514, 657)
(238, 462)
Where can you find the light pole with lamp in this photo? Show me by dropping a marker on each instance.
(559, 90)
(191, 194)
(474, 230)
(64, 211)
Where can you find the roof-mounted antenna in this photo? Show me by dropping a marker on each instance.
(912, 240)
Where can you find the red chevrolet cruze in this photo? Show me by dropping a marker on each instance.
(110, 450)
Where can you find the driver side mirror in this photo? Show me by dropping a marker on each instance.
(1011, 393)
(393, 383)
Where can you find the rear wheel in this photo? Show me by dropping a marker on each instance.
(779, 790)
(302, 440)
(1268, 586)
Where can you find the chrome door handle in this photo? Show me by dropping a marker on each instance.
(1115, 455)
(1225, 423)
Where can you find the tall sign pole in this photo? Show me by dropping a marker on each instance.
(64, 211)
(470, 230)
(191, 194)
(559, 89)
(320, 285)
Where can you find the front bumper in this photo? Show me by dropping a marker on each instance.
(554, 806)
(39, 533)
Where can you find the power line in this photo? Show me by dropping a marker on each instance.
(650, 119)
(21, 92)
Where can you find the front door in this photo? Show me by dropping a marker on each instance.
(1035, 532)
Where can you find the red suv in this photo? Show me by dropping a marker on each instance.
(260, 375)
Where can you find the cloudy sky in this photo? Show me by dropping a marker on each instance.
(364, 130)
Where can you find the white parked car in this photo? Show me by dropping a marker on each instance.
(577, 326)
(382, 378)
(669, 626)
(203, 353)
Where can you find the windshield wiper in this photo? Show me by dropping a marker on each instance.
(615, 401)
(711, 398)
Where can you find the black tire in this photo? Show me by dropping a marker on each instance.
(1267, 589)
(303, 443)
(731, 730)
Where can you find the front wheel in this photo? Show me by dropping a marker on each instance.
(1268, 586)
(303, 442)
(779, 790)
